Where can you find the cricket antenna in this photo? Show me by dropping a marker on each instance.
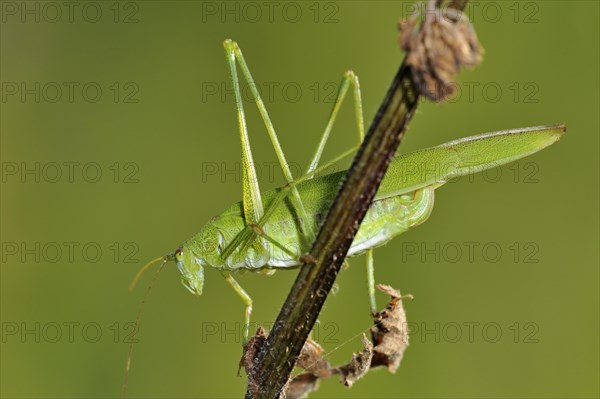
(143, 269)
(136, 324)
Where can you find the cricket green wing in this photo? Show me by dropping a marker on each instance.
(423, 168)
(465, 156)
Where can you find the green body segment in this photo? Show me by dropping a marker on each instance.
(404, 200)
(385, 219)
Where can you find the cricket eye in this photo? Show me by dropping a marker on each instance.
(179, 254)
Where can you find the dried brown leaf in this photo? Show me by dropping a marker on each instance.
(390, 333)
(301, 385)
(358, 366)
(251, 349)
(311, 360)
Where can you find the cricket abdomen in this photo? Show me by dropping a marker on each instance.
(390, 217)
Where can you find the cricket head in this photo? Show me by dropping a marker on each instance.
(192, 273)
(204, 249)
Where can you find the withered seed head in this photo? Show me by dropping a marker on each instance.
(437, 49)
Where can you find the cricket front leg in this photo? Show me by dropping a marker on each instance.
(245, 298)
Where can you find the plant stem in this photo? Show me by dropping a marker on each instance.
(275, 360)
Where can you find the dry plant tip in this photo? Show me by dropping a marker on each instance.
(438, 48)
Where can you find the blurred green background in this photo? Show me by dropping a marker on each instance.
(139, 92)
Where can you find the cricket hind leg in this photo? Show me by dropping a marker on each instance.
(306, 224)
(350, 79)
(253, 211)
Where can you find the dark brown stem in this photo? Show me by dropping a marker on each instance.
(274, 362)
